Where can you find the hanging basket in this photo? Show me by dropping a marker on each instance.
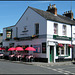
(71, 46)
(60, 45)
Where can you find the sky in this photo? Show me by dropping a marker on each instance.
(11, 11)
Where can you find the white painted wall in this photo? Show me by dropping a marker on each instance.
(45, 27)
(50, 33)
(50, 28)
(4, 33)
(29, 19)
(73, 34)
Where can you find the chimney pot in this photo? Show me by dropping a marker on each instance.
(66, 12)
(70, 11)
(52, 9)
(69, 14)
(54, 6)
(50, 6)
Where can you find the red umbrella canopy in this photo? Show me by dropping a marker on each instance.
(19, 49)
(30, 49)
(2, 48)
(11, 49)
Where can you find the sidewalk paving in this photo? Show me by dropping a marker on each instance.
(45, 64)
(41, 63)
(48, 64)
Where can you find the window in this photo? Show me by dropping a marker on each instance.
(64, 29)
(36, 28)
(60, 50)
(8, 34)
(44, 47)
(55, 28)
(67, 50)
(38, 48)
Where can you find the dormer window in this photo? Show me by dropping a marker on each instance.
(55, 28)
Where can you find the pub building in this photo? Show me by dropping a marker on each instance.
(52, 35)
(1, 38)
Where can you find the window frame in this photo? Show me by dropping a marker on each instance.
(64, 30)
(36, 29)
(56, 28)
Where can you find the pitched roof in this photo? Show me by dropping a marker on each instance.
(49, 16)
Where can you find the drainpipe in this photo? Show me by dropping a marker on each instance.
(71, 44)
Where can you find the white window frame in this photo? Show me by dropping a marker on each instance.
(60, 49)
(56, 28)
(64, 30)
(35, 28)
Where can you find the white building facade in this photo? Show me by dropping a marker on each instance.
(1, 39)
(46, 31)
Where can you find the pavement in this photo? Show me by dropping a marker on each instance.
(41, 63)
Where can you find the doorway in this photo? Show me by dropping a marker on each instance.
(51, 53)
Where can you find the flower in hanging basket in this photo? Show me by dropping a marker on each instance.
(60, 45)
(71, 46)
(15, 38)
(34, 36)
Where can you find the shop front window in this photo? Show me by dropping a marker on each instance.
(67, 50)
(63, 50)
(60, 50)
(44, 47)
(38, 48)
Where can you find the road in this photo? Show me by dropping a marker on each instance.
(7, 67)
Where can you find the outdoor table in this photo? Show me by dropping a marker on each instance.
(28, 57)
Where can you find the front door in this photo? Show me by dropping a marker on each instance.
(51, 53)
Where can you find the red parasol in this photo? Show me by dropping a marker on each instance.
(2, 48)
(30, 49)
(11, 49)
(19, 49)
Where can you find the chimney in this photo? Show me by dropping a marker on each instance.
(69, 14)
(52, 9)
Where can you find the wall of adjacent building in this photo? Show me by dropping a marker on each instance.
(50, 28)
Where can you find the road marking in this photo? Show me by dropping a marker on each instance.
(68, 71)
(68, 67)
(54, 69)
(58, 70)
(72, 73)
(65, 73)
